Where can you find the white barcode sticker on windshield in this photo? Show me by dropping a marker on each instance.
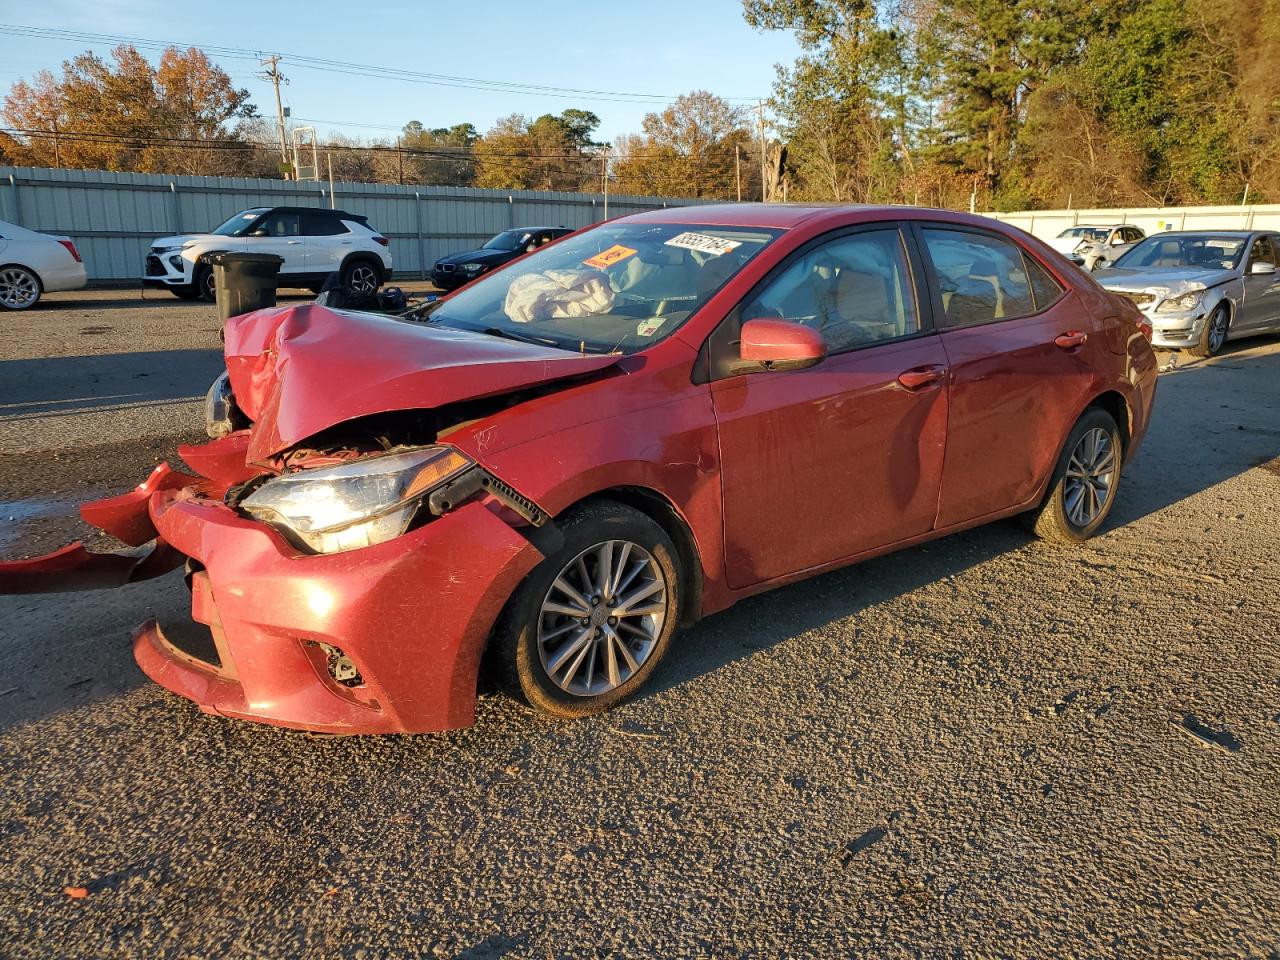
(1219, 244)
(703, 243)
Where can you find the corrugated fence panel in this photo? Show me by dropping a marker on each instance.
(1047, 224)
(114, 217)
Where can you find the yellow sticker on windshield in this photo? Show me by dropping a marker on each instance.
(607, 258)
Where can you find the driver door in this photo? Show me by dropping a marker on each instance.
(827, 462)
(1261, 290)
(280, 234)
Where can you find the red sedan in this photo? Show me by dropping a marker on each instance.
(562, 463)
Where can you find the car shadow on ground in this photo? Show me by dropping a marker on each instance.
(62, 386)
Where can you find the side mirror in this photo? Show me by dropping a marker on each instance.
(260, 232)
(1261, 266)
(779, 345)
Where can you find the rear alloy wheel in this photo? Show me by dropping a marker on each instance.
(1214, 335)
(590, 624)
(19, 288)
(1084, 482)
(361, 277)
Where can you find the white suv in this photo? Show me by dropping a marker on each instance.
(314, 243)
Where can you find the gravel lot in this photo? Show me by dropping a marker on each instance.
(982, 747)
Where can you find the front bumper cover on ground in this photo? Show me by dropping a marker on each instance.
(413, 614)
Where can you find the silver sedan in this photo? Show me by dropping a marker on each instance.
(1200, 289)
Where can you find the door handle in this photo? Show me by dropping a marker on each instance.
(347, 242)
(293, 241)
(1070, 339)
(917, 378)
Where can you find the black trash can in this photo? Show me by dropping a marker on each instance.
(244, 282)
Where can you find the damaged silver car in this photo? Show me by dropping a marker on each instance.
(1200, 289)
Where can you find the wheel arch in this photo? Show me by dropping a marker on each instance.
(659, 508)
(364, 256)
(30, 269)
(1115, 404)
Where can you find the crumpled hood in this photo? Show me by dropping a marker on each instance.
(298, 370)
(1162, 281)
(1067, 245)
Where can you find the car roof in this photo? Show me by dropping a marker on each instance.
(1100, 226)
(1210, 230)
(785, 216)
(533, 229)
(341, 214)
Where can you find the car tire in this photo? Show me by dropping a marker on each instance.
(206, 288)
(191, 292)
(1214, 335)
(559, 654)
(1083, 487)
(20, 288)
(361, 277)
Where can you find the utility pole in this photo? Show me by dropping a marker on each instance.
(604, 165)
(399, 164)
(764, 173)
(273, 74)
(57, 151)
(737, 168)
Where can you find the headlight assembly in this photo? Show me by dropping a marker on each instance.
(1180, 304)
(473, 267)
(357, 504)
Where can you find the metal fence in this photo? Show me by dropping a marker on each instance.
(1047, 224)
(113, 217)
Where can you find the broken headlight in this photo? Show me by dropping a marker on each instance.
(357, 504)
(1182, 303)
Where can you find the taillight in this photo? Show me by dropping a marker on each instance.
(1145, 327)
(382, 240)
(71, 249)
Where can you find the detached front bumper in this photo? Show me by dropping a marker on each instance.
(1175, 331)
(413, 614)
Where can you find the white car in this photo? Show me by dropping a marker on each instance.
(1096, 247)
(314, 243)
(32, 264)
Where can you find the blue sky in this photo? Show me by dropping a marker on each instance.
(664, 47)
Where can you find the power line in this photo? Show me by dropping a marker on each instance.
(358, 69)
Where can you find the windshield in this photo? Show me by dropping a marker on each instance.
(237, 225)
(618, 288)
(1195, 250)
(1096, 234)
(508, 240)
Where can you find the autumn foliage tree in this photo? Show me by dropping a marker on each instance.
(126, 114)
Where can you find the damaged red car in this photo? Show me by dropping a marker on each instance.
(561, 464)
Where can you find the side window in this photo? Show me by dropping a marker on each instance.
(1044, 289)
(280, 225)
(321, 225)
(1262, 251)
(856, 289)
(1133, 235)
(981, 277)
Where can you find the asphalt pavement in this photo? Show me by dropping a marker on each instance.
(981, 747)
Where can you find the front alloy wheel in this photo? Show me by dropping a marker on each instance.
(592, 621)
(601, 618)
(1214, 335)
(19, 288)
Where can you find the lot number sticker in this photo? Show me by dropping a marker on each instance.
(607, 258)
(703, 243)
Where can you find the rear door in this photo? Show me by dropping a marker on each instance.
(846, 456)
(1261, 290)
(1018, 346)
(327, 241)
(283, 237)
